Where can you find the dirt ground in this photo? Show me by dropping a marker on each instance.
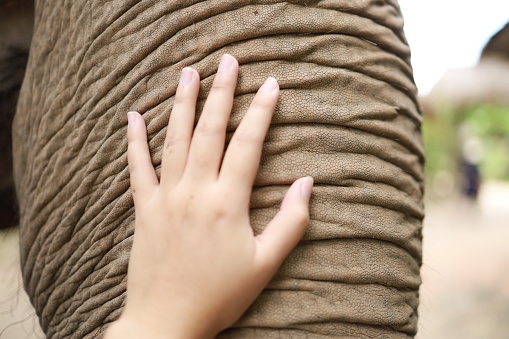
(17, 317)
(465, 290)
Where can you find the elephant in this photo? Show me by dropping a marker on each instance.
(347, 115)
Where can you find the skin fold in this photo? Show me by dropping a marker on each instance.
(347, 115)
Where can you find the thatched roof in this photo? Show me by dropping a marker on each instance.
(487, 82)
(498, 46)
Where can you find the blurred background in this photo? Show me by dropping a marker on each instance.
(460, 55)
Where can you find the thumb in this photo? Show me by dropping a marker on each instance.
(283, 232)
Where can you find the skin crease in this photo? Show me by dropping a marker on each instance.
(195, 265)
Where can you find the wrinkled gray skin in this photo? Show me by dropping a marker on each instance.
(347, 116)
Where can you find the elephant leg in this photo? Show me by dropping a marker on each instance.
(347, 115)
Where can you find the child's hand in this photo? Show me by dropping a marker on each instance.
(195, 265)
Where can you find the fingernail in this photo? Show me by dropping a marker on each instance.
(186, 76)
(131, 118)
(269, 85)
(306, 186)
(226, 63)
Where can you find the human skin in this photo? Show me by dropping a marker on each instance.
(196, 266)
(347, 116)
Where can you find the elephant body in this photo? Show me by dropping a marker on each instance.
(347, 115)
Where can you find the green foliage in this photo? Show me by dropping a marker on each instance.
(440, 142)
(446, 133)
(492, 126)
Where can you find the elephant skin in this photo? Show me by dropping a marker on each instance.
(347, 115)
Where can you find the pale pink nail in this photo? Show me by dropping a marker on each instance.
(269, 85)
(305, 187)
(131, 118)
(226, 63)
(186, 77)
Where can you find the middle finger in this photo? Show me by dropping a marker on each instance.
(207, 145)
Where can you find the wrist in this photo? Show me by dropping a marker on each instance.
(124, 328)
(127, 329)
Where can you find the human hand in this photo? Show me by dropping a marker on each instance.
(195, 265)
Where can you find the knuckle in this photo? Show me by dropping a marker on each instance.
(133, 153)
(180, 100)
(135, 142)
(220, 86)
(173, 140)
(223, 84)
(133, 168)
(247, 137)
(131, 140)
(208, 127)
(221, 211)
(301, 216)
(259, 105)
(134, 172)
